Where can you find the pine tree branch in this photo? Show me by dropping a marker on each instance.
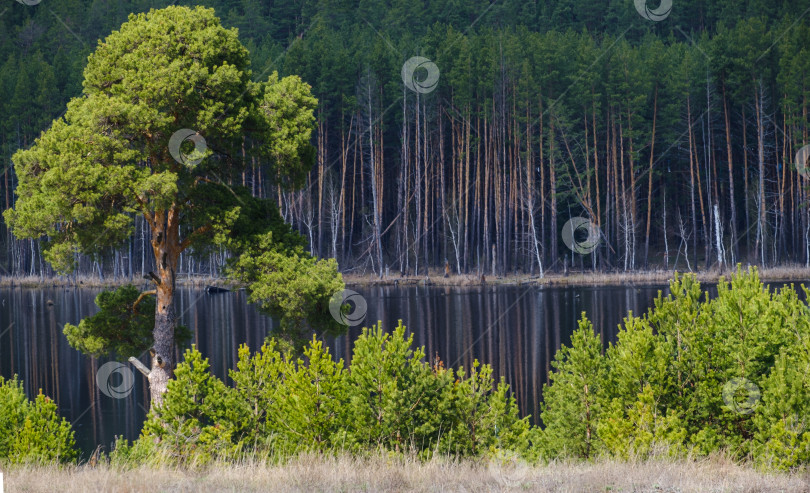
(187, 242)
(153, 277)
(140, 366)
(142, 296)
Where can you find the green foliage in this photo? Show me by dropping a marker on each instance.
(84, 178)
(510, 433)
(119, 329)
(639, 429)
(483, 417)
(289, 109)
(238, 220)
(661, 386)
(289, 405)
(388, 399)
(289, 285)
(32, 431)
(782, 435)
(396, 394)
(638, 382)
(257, 381)
(571, 409)
(192, 423)
(83, 181)
(310, 414)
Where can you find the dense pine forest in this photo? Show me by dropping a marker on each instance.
(676, 138)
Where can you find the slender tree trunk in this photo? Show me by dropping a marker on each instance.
(375, 186)
(487, 174)
(596, 172)
(692, 180)
(426, 169)
(552, 179)
(732, 196)
(466, 124)
(632, 190)
(322, 157)
(616, 192)
(760, 245)
(708, 152)
(650, 179)
(625, 212)
(542, 166)
(746, 191)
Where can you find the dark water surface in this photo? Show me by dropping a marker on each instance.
(516, 329)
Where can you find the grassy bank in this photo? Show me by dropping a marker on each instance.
(312, 473)
(787, 273)
(98, 282)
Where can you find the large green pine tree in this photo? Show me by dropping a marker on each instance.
(109, 159)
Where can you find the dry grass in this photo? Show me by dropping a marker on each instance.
(312, 473)
(97, 282)
(797, 273)
(787, 273)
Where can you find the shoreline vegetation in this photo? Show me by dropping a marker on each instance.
(667, 407)
(787, 273)
(384, 474)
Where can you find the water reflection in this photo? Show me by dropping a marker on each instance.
(32, 346)
(516, 329)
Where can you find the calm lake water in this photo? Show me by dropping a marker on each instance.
(515, 329)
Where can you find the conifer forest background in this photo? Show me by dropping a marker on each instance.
(677, 138)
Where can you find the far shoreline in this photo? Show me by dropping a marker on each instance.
(795, 274)
(788, 274)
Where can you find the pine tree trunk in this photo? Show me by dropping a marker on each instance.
(650, 180)
(552, 176)
(730, 180)
(761, 162)
(692, 180)
(163, 350)
(166, 246)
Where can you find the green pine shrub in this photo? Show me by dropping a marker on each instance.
(694, 375)
(483, 416)
(388, 399)
(570, 409)
(286, 405)
(691, 377)
(32, 431)
(195, 423)
(395, 393)
(782, 422)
